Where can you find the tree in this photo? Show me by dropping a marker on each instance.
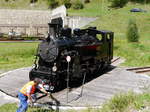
(86, 1)
(33, 1)
(140, 1)
(53, 4)
(132, 31)
(78, 5)
(118, 3)
(67, 3)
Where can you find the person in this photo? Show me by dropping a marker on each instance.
(26, 93)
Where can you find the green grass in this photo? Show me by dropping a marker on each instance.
(93, 9)
(123, 102)
(17, 55)
(13, 108)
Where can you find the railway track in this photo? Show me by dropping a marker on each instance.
(115, 59)
(139, 69)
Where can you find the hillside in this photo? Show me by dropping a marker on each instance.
(116, 20)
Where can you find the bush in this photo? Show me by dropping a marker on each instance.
(86, 1)
(140, 1)
(132, 31)
(30, 38)
(78, 5)
(119, 103)
(67, 3)
(33, 1)
(118, 3)
(53, 4)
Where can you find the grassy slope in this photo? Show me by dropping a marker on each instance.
(116, 20)
(93, 9)
(16, 55)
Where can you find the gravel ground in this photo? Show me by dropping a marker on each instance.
(6, 99)
(95, 92)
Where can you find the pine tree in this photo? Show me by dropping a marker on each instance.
(132, 31)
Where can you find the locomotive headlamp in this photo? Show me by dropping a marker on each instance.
(68, 58)
(51, 88)
(54, 68)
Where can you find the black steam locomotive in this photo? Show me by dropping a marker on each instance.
(64, 53)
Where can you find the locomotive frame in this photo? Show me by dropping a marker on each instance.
(89, 51)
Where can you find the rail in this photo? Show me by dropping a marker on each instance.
(139, 69)
(115, 59)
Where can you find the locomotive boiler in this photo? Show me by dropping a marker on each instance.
(66, 52)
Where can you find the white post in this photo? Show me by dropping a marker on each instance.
(68, 58)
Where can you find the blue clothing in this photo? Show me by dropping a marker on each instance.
(23, 103)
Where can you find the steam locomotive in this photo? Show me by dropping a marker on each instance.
(71, 53)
